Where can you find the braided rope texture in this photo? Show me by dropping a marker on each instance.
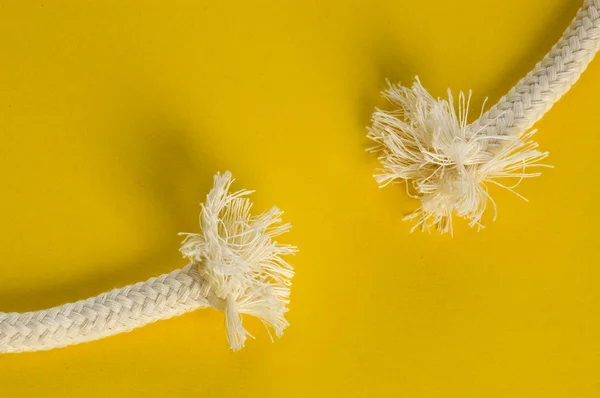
(120, 310)
(551, 78)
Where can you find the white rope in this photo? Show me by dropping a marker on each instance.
(117, 311)
(235, 267)
(552, 77)
(449, 164)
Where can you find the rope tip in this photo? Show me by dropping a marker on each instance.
(446, 162)
(240, 261)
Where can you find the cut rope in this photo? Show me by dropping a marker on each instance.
(447, 163)
(235, 267)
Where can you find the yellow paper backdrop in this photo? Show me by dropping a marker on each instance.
(114, 115)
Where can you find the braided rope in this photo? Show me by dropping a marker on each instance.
(120, 310)
(447, 163)
(235, 267)
(534, 95)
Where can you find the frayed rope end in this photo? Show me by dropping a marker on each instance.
(240, 262)
(446, 163)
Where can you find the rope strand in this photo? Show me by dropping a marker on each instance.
(120, 310)
(235, 267)
(449, 164)
(552, 77)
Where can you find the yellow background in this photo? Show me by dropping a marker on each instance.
(114, 115)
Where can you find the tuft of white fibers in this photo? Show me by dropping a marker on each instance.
(445, 162)
(240, 262)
